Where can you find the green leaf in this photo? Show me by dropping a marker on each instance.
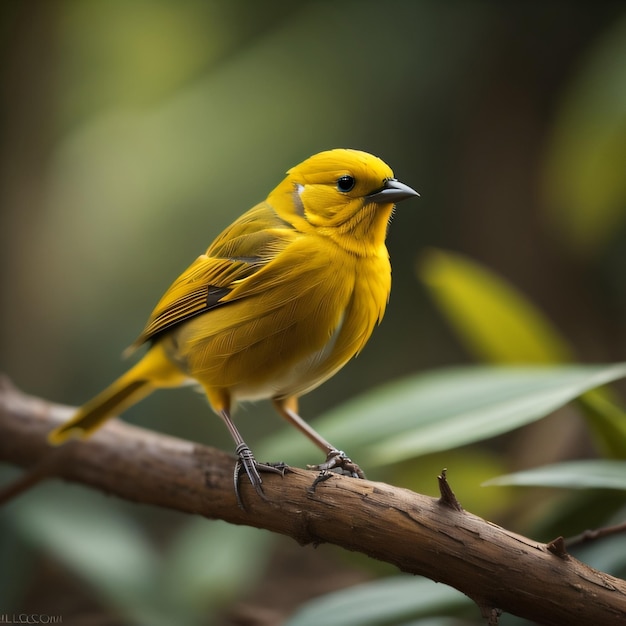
(444, 409)
(211, 563)
(385, 601)
(572, 475)
(498, 324)
(606, 420)
(495, 321)
(97, 541)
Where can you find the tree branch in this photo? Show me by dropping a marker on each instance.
(418, 534)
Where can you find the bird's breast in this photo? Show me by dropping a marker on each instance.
(288, 339)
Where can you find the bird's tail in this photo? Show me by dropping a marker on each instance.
(153, 371)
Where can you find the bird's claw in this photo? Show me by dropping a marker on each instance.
(323, 476)
(252, 468)
(337, 461)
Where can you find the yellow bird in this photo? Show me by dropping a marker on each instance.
(282, 299)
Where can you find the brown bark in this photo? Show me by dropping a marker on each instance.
(421, 535)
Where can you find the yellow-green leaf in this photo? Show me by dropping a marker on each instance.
(499, 325)
(495, 321)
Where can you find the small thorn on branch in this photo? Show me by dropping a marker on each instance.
(492, 616)
(447, 495)
(557, 547)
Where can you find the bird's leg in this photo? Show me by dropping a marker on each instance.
(335, 459)
(247, 461)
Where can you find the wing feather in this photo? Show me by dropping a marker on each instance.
(245, 247)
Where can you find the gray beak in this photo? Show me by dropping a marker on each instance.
(392, 191)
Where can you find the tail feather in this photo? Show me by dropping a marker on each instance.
(89, 417)
(153, 371)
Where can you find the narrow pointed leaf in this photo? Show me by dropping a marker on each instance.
(99, 543)
(593, 474)
(496, 322)
(385, 601)
(499, 324)
(443, 409)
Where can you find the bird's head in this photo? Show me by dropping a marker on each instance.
(344, 194)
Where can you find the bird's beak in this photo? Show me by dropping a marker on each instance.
(393, 191)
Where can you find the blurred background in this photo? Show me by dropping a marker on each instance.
(132, 132)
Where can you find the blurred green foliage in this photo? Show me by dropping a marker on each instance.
(133, 132)
(584, 178)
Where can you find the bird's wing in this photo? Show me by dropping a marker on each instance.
(240, 251)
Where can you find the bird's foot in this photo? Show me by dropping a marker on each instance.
(337, 461)
(253, 469)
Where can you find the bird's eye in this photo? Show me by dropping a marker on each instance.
(345, 183)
